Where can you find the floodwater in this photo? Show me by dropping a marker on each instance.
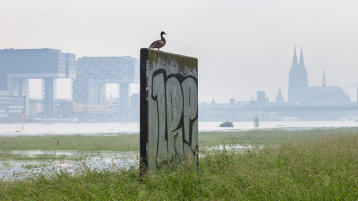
(23, 164)
(29, 164)
(39, 129)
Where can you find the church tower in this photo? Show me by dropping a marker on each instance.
(293, 79)
(324, 84)
(279, 97)
(298, 81)
(303, 72)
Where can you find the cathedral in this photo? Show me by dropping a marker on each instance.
(300, 93)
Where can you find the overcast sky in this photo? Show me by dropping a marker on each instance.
(242, 46)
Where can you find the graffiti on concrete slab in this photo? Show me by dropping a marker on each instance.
(176, 116)
(169, 109)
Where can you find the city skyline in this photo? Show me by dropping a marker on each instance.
(64, 86)
(255, 37)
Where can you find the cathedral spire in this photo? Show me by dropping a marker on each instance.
(324, 78)
(294, 61)
(298, 81)
(279, 97)
(302, 63)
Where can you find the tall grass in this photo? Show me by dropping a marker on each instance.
(321, 169)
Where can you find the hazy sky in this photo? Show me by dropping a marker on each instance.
(242, 46)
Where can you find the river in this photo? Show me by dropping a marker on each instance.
(40, 129)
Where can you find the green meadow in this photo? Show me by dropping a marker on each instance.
(305, 165)
(130, 142)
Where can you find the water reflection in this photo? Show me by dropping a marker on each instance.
(30, 163)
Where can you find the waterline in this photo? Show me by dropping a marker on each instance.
(110, 129)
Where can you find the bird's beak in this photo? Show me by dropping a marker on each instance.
(165, 33)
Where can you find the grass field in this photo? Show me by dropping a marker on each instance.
(324, 168)
(5, 155)
(123, 142)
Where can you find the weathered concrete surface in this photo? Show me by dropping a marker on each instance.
(169, 109)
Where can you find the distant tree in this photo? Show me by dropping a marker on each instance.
(227, 124)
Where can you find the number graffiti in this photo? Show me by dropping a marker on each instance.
(174, 118)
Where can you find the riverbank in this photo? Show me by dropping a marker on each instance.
(323, 168)
(124, 142)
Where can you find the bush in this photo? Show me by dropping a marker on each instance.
(227, 124)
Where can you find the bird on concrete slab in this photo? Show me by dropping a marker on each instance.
(159, 43)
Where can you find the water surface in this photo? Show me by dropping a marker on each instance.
(39, 129)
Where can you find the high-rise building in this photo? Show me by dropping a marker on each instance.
(92, 75)
(261, 98)
(17, 66)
